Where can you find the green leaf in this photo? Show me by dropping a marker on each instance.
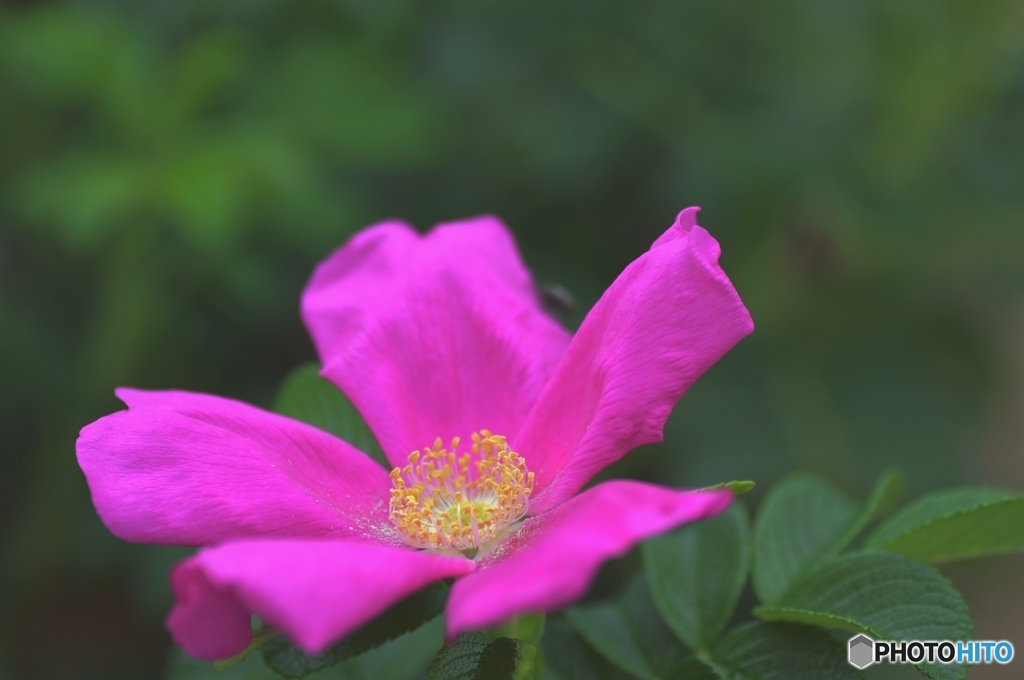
(955, 524)
(696, 574)
(887, 596)
(692, 668)
(306, 396)
(525, 628)
(180, 666)
(629, 632)
(781, 651)
(881, 501)
(473, 657)
(405, 658)
(737, 486)
(801, 523)
(568, 657)
(884, 497)
(531, 665)
(805, 521)
(407, 615)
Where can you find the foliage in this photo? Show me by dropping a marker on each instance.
(170, 172)
(401, 618)
(667, 620)
(696, 576)
(679, 633)
(307, 397)
(629, 631)
(955, 524)
(473, 657)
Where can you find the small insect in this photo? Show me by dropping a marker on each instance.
(557, 300)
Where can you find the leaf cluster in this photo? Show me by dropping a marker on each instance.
(817, 578)
(813, 572)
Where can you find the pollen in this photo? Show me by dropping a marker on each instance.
(450, 501)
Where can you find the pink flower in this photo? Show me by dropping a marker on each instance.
(433, 338)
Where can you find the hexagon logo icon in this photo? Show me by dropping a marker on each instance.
(860, 653)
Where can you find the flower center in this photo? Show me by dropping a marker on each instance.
(443, 500)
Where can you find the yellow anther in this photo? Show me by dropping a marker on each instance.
(444, 500)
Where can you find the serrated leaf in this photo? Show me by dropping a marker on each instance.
(629, 632)
(473, 657)
(306, 396)
(887, 596)
(409, 614)
(568, 657)
(526, 629)
(461, 659)
(955, 524)
(405, 658)
(781, 651)
(696, 574)
(801, 523)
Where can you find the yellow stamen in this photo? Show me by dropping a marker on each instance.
(445, 501)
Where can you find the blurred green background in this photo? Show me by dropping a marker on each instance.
(170, 172)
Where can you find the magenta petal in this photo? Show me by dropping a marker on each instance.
(316, 592)
(192, 469)
(667, 318)
(551, 560)
(432, 336)
(207, 620)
